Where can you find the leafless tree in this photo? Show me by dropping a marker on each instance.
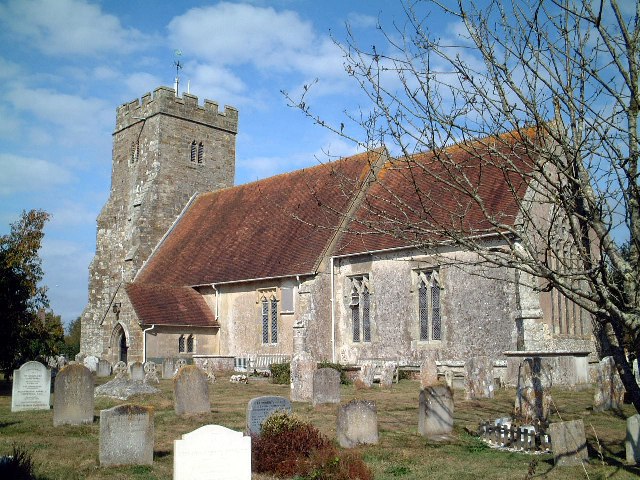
(561, 78)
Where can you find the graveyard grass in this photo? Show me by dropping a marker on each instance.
(71, 452)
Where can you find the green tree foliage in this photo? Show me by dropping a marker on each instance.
(25, 334)
(72, 339)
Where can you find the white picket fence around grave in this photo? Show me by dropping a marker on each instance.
(259, 362)
(515, 437)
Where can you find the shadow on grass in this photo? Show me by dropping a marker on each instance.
(5, 388)
(7, 424)
(612, 458)
(161, 453)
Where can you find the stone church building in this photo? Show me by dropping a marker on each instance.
(189, 265)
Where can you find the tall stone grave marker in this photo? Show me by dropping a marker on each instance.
(91, 362)
(326, 386)
(533, 399)
(632, 442)
(191, 391)
(357, 424)
(136, 372)
(212, 452)
(302, 368)
(104, 368)
(259, 408)
(478, 377)
(73, 397)
(429, 369)
(31, 389)
(126, 435)
(168, 368)
(568, 442)
(609, 393)
(435, 414)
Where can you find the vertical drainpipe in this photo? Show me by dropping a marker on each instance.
(217, 312)
(144, 342)
(333, 315)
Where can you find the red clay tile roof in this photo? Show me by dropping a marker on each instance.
(166, 305)
(279, 226)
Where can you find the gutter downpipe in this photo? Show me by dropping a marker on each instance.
(333, 315)
(144, 342)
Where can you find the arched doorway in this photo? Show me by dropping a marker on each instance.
(119, 343)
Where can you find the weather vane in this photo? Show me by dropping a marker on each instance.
(178, 65)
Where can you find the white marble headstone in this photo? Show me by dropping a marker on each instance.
(31, 387)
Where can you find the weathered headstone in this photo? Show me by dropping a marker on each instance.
(302, 368)
(609, 393)
(429, 369)
(533, 399)
(479, 377)
(366, 375)
(191, 391)
(181, 362)
(435, 416)
(126, 435)
(104, 368)
(150, 372)
(357, 424)
(448, 378)
(388, 374)
(568, 442)
(632, 441)
(31, 389)
(80, 357)
(91, 362)
(73, 398)
(259, 408)
(168, 368)
(136, 372)
(212, 452)
(120, 370)
(326, 386)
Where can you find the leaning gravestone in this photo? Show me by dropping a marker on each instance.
(478, 377)
(533, 399)
(212, 452)
(191, 391)
(136, 372)
(104, 368)
(91, 362)
(150, 373)
(168, 368)
(435, 415)
(609, 393)
(326, 386)
(429, 369)
(357, 424)
(632, 442)
(568, 442)
(259, 408)
(73, 398)
(126, 435)
(31, 389)
(366, 374)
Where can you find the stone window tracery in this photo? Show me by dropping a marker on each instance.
(360, 306)
(269, 317)
(429, 308)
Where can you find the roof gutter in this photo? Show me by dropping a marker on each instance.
(259, 279)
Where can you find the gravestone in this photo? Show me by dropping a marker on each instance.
(120, 370)
(168, 368)
(80, 357)
(632, 441)
(91, 362)
(302, 368)
(31, 389)
(126, 435)
(150, 373)
(181, 362)
(212, 452)
(191, 391)
(104, 368)
(568, 442)
(448, 378)
(609, 393)
(478, 377)
(533, 399)
(136, 372)
(73, 398)
(357, 424)
(326, 386)
(259, 408)
(435, 414)
(366, 375)
(388, 374)
(429, 369)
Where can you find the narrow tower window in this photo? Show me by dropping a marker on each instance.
(193, 151)
(200, 152)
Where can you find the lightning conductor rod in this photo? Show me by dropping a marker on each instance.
(178, 66)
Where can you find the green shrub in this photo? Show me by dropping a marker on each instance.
(280, 373)
(344, 380)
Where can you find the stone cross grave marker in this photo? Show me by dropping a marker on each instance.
(302, 368)
(326, 386)
(136, 372)
(429, 369)
(357, 424)
(435, 414)
(478, 377)
(632, 441)
(568, 442)
(150, 373)
(31, 389)
(91, 362)
(168, 368)
(120, 370)
(191, 391)
(259, 408)
(212, 452)
(126, 435)
(104, 368)
(73, 396)
(609, 394)
(533, 399)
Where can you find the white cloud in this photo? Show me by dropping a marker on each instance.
(22, 174)
(360, 20)
(72, 214)
(216, 83)
(141, 82)
(68, 27)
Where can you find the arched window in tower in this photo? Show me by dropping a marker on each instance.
(193, 152)
(200, 152)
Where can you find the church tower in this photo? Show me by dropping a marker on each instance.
(165, 150)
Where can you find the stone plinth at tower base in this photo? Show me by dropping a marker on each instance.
(212, 452)
(126, 435)
(569, 443)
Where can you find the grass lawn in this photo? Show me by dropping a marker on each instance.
(72, 452)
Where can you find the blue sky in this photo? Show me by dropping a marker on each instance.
(66, 65)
